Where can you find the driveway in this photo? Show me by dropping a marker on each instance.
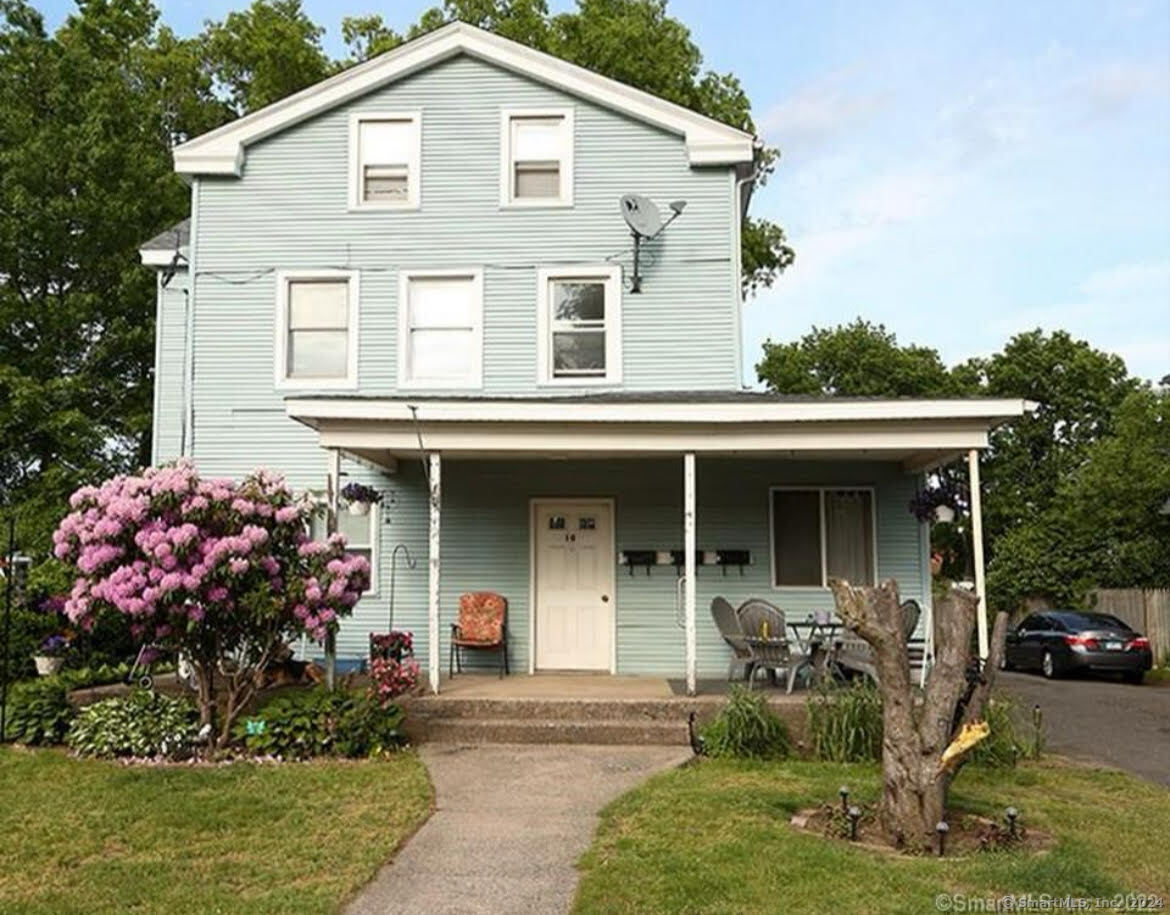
(509, 825)
(1116, 723)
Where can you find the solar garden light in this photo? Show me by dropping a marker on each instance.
(1011, 813)
(844, 792)
(942, 829)
(854, 816)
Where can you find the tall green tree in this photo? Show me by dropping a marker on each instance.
(87, 117)
(1077, 390)
(856, 360)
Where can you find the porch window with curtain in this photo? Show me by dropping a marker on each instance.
(822, 533)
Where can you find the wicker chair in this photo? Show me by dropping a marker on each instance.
(764, 631)
(482, 625)
(727, 622)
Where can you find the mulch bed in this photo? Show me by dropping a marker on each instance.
(969, 833)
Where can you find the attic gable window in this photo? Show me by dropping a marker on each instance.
(316, 329)
(536, 161)
(384, 161)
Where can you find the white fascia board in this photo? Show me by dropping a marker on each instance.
(160, 257)
(555, 410)
(221, 151)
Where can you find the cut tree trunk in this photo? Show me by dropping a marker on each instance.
(916, 727)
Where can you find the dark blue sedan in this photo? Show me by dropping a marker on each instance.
(1057, 642)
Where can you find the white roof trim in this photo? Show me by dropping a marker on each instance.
(161, 257)
(221, 151)
(562, 411)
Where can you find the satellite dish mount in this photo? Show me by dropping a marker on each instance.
(646, 224)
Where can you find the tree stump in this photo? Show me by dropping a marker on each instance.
(917, 727)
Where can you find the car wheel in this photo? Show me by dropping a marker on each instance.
(1134, 676)
(1048, 666)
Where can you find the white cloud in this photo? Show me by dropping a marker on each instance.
(820, 113)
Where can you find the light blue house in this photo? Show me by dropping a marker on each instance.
(416, 275)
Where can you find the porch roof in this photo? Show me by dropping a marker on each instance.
(920, 434)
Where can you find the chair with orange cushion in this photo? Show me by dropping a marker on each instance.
(482, 624)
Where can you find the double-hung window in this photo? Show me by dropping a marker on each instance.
(384, 159)
(579, 323)
(316, 329)
(820, 533)
(536, 160)
(361, 536)
(440, 328)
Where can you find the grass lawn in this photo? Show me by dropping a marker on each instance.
(90, 836)
(715, 838)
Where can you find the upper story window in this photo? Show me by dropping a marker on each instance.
(440, 329)
(820, 533)
(579, 323)
(384, 161)
(536, 157)
(316, 328)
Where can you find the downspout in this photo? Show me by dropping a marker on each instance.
(739, 204)
(188, 439)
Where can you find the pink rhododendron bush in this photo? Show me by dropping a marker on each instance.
(222, 571)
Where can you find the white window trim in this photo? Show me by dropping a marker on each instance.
(375, 520)
(612, 275)
(413, 165)
(280, 362)
(475, 379)
(820, 489)
(567, 172)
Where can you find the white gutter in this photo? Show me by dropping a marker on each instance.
(559, 410)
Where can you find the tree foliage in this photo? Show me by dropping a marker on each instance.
(1069, 490)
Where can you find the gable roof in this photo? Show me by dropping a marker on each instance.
(222, 151)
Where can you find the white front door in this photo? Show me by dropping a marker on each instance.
(574, 584)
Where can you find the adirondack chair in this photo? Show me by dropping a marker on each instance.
(727, 622)
(772, 652)
(856, 654)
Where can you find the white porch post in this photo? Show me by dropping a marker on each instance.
(433, 651)
(689, 568)
(333, 495)
(977, 547)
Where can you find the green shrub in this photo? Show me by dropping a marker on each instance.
(1003, 747)
(39, 711)
(99, 675)
(845, 723)
(143, 723)
(746, 727)
(317, 722)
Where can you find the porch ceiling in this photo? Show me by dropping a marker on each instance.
(918, 434)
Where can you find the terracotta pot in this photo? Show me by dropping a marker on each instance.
(47, 666)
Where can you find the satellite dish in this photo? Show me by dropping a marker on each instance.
(641, 215)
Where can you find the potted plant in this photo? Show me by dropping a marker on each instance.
(359, 497)
(937, 503)
(51, 655)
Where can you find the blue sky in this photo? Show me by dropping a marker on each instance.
(957, 171)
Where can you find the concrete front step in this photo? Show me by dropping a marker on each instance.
(580, 721)
(550, 731)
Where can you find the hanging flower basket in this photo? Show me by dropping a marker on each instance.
(47, 665)
(944, 514)
(359, 497)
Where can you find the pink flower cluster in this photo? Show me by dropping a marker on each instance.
(179, 554)
(390, 678)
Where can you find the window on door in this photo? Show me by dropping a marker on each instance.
(579, 324)
(822, 533)
(441, 329)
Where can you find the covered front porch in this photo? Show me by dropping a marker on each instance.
(610, 525)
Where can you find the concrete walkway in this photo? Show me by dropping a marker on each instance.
(511, 822)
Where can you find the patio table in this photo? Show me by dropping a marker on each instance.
(816, 645)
